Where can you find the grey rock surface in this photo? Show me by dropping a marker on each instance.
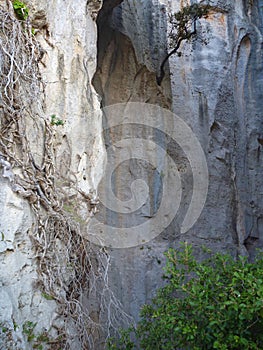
(216, 89)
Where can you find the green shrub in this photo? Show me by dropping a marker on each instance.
(20, 9)
(56, 121)
(213, 304)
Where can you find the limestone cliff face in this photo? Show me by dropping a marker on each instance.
(215, 89)
(221, 84)
(67, 34)
(97, 54)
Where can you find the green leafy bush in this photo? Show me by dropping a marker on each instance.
(20, 9)
(213, 304)
(183, 22)
(56, 121)
(28, 330)
(38, 341)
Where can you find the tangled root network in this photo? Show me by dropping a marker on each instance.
(71, 271)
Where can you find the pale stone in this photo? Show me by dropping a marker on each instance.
(67, 34)
(216, 89)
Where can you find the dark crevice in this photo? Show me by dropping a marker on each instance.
(119, 76)
(105, 36)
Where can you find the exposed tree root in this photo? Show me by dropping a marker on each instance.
(71, 270)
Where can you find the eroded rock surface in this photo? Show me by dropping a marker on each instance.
(67, 34)
(215, 88)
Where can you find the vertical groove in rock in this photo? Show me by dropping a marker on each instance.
(120, 77)
(216, 89)
(131, 45)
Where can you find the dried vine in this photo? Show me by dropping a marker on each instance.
(68, 265)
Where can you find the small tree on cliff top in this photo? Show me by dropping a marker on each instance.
(184, 28)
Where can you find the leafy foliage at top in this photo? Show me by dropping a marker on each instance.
(20, 9)
(213, 304)
(183, 28)
(183, 23)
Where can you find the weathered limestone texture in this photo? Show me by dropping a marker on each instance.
(68, 67)
(67, 34)
(98, 53)
(19, 302)
(216, 89)
(126, 71)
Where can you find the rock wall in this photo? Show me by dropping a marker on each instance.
(100, 53)
(68, 38)
(221, 82)
(215, 89)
